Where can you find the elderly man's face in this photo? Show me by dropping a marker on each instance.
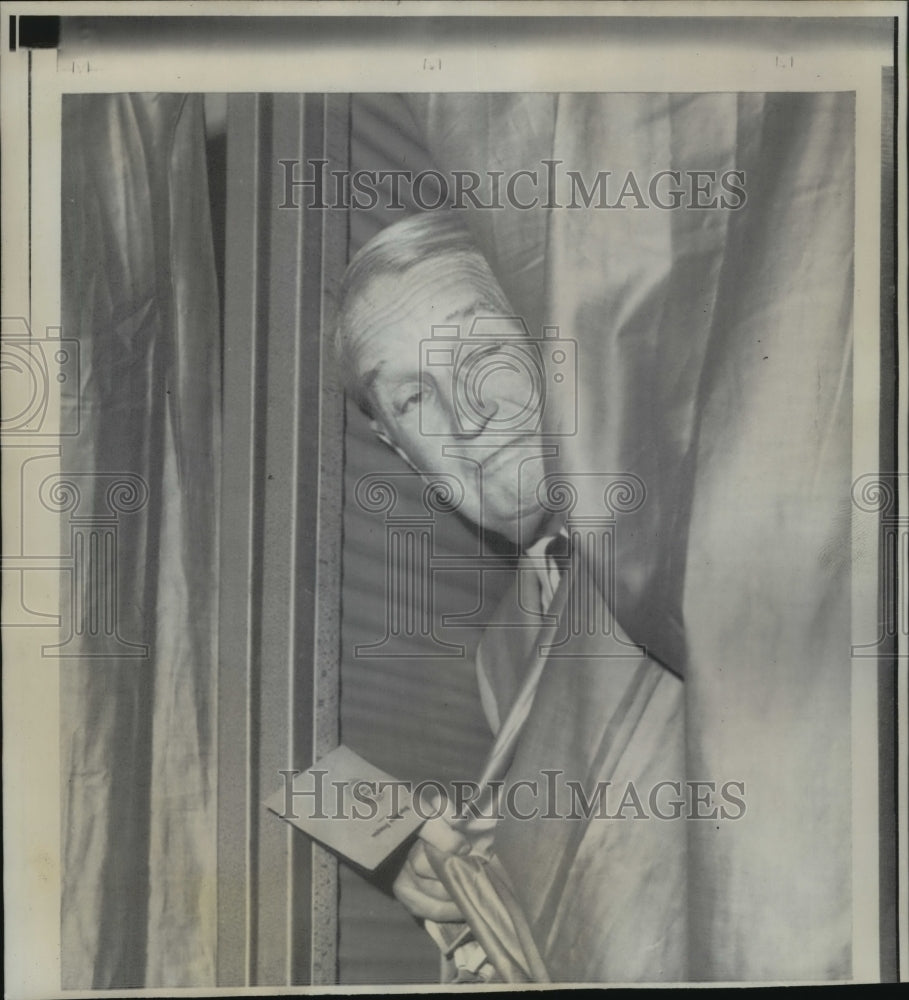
(465, 406)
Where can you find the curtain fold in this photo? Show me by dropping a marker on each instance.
(714, 352)
(138, 698)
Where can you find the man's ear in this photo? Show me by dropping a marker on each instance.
(382, 435)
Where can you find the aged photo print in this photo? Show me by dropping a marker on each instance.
(454, 489)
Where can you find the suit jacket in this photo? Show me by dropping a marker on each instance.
(564, 887)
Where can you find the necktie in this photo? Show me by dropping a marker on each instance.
(557, 554)
(556, 551)
(551, 556)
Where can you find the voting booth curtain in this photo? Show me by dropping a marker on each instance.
(138, 497)
(714, 351)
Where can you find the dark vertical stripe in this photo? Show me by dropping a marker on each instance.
(307, 326)
(315, 550)
(262, 265)
(889, 611)
(29, 140)
(237, 606)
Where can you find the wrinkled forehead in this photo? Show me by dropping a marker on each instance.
(394, 312)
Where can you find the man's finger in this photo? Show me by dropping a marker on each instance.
(412, 893)
(427, 885)
(419, 862)
(444, 837)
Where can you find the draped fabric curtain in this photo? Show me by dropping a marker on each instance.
(714, 363)
(713, 355)
(138, 695)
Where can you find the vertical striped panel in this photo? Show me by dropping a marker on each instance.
(280, 543)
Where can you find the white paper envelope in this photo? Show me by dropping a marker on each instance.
(349, 805)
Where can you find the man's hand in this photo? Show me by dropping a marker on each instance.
(417, 886)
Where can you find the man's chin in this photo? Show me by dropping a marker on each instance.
(520, 529)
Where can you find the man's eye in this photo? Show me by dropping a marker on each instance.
(411, 400)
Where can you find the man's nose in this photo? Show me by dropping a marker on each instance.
(502, 388)
(479, 390)
(473, 416)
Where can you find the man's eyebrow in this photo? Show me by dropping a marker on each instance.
(479, 306)
(369, 379)
(374, 375)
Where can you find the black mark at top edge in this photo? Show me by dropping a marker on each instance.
(34, 31)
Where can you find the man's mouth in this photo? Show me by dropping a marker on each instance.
(515, 446)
